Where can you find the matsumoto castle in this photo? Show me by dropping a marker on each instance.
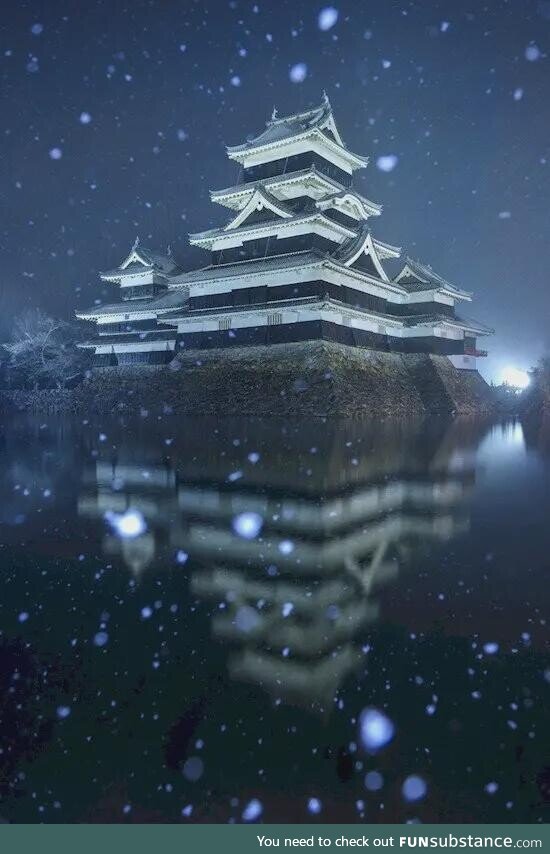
(297, 261)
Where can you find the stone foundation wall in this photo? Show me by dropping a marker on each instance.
(310, 378)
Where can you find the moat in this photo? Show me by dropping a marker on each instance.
(197, 614)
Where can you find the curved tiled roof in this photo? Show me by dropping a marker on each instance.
(278, 129)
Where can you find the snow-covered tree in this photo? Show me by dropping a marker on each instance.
(42, 352)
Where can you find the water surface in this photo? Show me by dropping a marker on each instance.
(195, 615)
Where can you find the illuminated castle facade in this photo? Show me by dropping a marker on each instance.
(296, 261)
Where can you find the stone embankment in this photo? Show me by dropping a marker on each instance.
(311, 379)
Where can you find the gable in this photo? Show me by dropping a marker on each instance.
(409, 276)
(365, 264)
(135, 258)
(261, 206)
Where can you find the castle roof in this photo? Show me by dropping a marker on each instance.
(298, 125)
(415, 276)
(140, 259)
(174, 298)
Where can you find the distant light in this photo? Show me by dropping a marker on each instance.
(387, 162)
(248, 525)
(414, 788)
(375, 728)
(127, 525)
(56, 153)
(327, 18)
(515, 377)
(298, 72)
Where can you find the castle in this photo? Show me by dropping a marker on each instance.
(297, 261)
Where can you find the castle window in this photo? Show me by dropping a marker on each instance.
(224, 323)
(274, 319)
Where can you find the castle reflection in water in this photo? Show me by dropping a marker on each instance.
(344, 509)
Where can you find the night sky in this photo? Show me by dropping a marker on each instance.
(115, 116)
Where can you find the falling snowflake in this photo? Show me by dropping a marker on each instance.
(56, 153)
(298, 72)
(252, 810)
(490, 648)
(314, 806)
(532, 53)
(373, 781)
(286, 547)
(414, 788)
(327, 18)
(193, 769)
(63, 712)
(387, 162)
(247, 619)
(375, 729)
(248, 525)
(127, 525)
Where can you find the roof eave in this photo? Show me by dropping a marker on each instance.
(239, 153)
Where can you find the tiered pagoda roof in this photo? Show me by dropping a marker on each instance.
(297, 251)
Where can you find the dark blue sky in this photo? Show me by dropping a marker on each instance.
(139, 99)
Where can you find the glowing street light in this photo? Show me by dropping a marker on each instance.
(515, 377)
